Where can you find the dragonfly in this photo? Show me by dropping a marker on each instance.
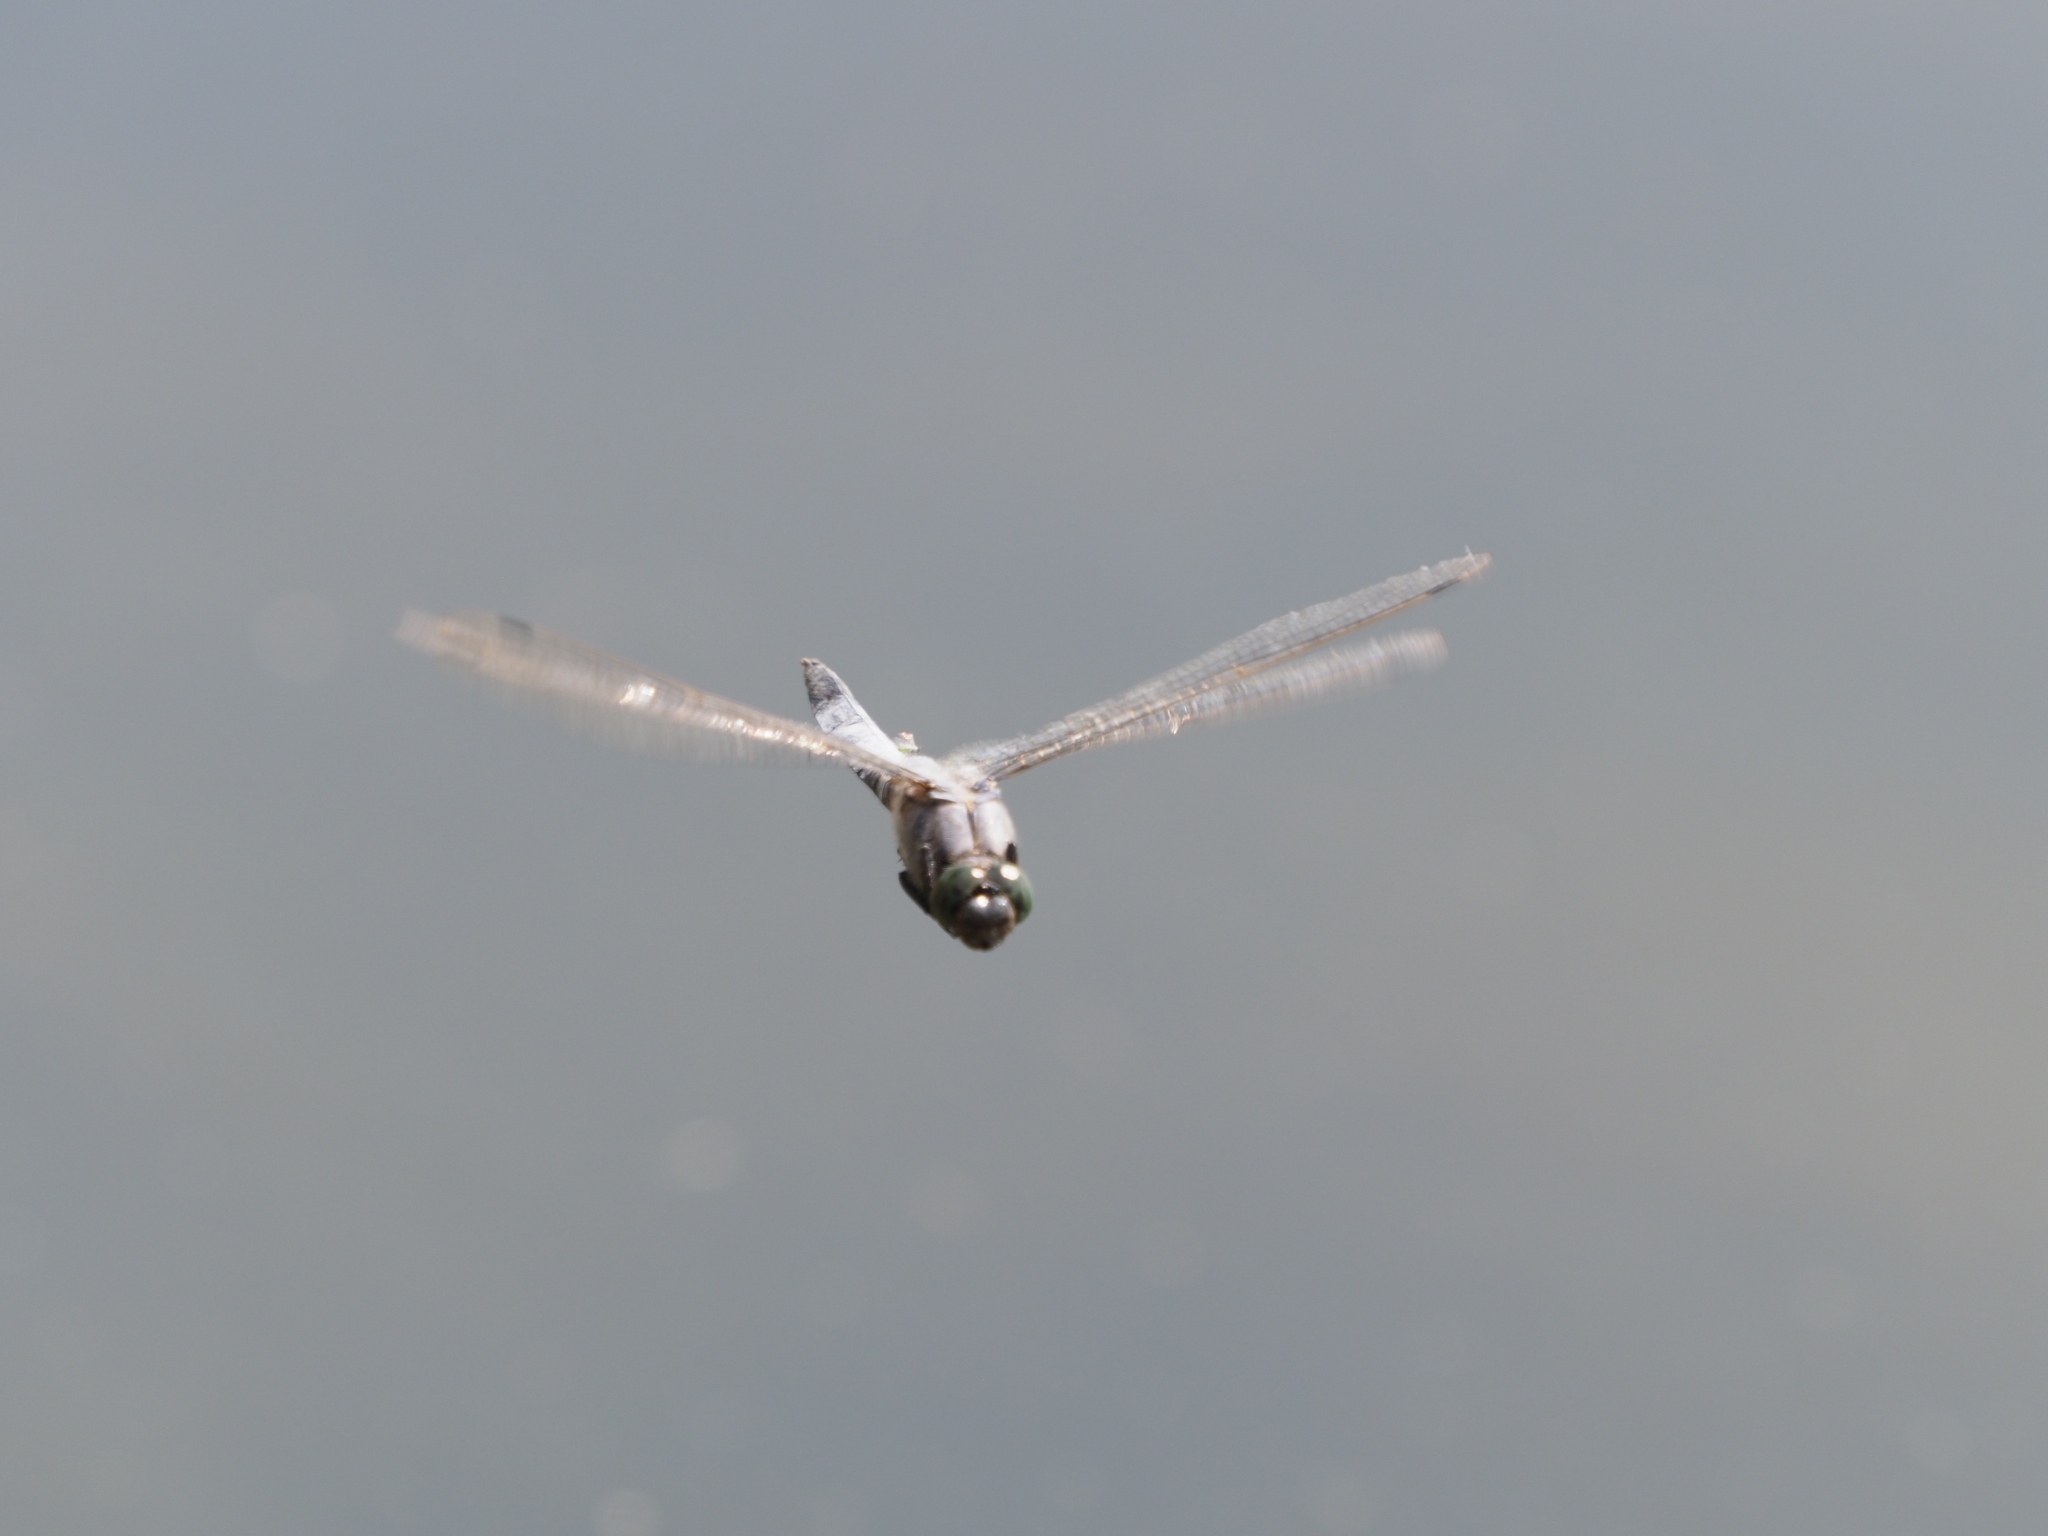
(954, 833)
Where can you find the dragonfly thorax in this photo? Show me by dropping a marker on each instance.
(960, 865)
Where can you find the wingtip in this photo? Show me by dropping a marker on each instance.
(419, 630)
(1457, 570)
(1469, 566)
(461, 637)
(1419, 650)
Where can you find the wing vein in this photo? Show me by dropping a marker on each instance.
(1221, 683)
(602, 695)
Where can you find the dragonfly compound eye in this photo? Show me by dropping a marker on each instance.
(975, 901)
(1015, 886)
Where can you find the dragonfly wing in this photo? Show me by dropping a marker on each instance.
(1228, 671)
(1335, 673)
(598, 694)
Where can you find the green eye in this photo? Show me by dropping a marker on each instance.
(952, 889)
(954, 893)
(1019, 889)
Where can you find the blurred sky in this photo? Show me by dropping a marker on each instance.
(1594, 1089)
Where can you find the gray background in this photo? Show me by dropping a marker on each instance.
(1596, 1088)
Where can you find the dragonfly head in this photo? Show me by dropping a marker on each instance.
(979, 900)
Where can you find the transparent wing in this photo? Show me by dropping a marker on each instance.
(1262, 669)
(600, 695)
(1331, 674)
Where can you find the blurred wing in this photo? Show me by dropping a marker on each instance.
(1264, 668)
(600, 695)
(1332, 674)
